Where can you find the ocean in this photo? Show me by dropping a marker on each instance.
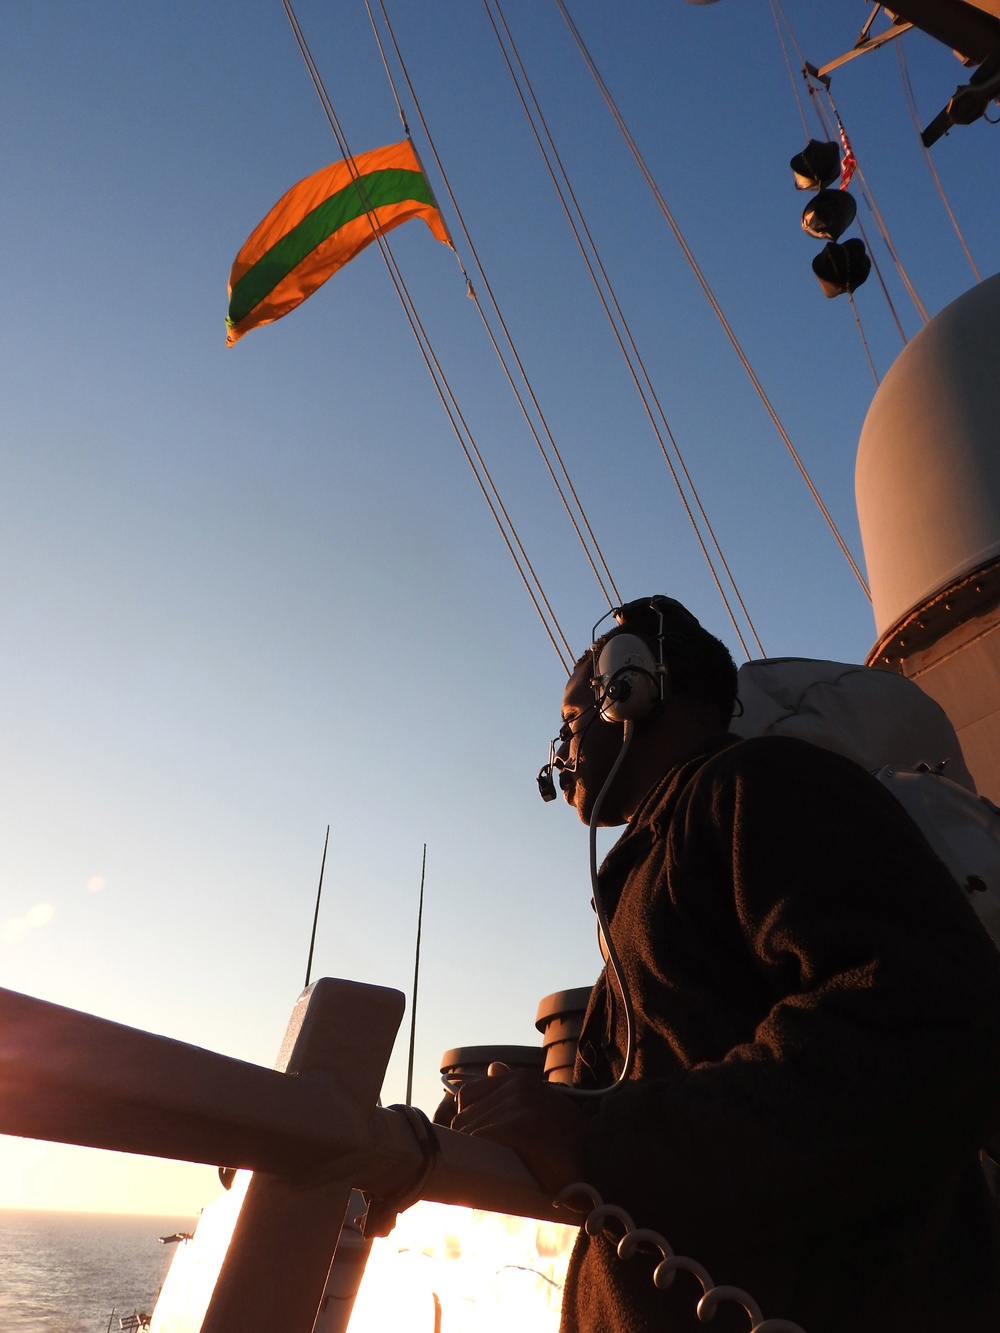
(65, 1272)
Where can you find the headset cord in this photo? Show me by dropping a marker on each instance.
(608, 1217)
(602, 921)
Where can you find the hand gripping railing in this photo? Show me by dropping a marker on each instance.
(602, 1213)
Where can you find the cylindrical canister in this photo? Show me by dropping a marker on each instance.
(559, 1020)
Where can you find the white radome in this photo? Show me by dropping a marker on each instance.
(928, 467)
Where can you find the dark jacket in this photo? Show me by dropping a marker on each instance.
(818, 1058)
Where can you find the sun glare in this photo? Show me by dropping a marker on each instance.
(443, 1269)
(456, 1270)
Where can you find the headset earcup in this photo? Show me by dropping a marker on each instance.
(627, 681)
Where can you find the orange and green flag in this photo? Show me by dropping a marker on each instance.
(319, 226)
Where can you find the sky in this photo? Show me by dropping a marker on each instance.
(252, 592)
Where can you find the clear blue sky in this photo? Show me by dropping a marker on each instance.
(248, 593)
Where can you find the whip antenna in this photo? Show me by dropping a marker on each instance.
(319, 891)
(416, 975)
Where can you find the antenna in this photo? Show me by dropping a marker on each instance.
(319, 891)
(416, 975)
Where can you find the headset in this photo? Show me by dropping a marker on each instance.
(628, 681)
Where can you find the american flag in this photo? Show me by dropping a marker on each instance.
(848, 163)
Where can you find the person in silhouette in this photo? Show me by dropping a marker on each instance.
(816, 1056)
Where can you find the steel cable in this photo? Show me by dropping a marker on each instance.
(620, 326)
(709, 294)
(439, 379)
(580, 511)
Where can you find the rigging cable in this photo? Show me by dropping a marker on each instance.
(502, 323)
(591, 257)
(911, 103)
(791, 73)
(881, 224)
(709, 294)
(881, 282)
(864, 340)
(438, 377)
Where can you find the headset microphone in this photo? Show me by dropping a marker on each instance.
(546, 783)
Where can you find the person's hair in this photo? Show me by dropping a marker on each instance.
(699, 665)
